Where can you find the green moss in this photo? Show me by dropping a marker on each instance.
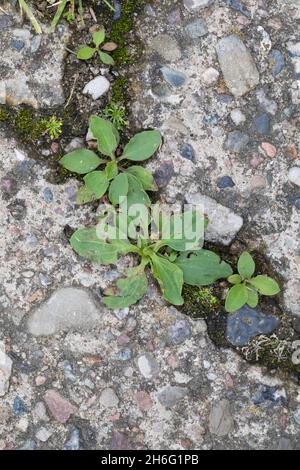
(27, 126)
(199, 302)
(4, 116)
(118, 90)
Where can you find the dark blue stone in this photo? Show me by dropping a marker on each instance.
(19, 406)
(173, 77)
(164, 174)
(179, 332)
(263, 124)
(48, 195)
(188, 152)
(277, 62)
(270, 395)
(238, 6)
(295, 200)
(225, 182)
(17, 44)
(118, 10)
(247, 323)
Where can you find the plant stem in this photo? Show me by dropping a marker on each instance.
(31, 17)
(58, 15)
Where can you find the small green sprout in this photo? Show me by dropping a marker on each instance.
(53, 127)
(116, 113)
(86, 52)
(246, 288)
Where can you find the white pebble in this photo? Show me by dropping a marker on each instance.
(96, 87)
(294, 175)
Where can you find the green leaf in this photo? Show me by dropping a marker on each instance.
(128, 291)
(169, 277)
(142, 146)
(111, 170)
(186, 231)
(85, 53)
(136, 193)
(246, 265)
(203, 268)
(265, 285)
(99, 36)
(236, 298)
(87, 244)
(143, 176)
(97, 183)
(235, 279)
(106, 58)
(84, 195)
(106, 135)
(252, 298)
(81, 161)
(118, 188)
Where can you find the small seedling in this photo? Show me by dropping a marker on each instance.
(116, 113)
(246, 288)
(171, 265)
(132, 182)
(87, 52)
(53, 127)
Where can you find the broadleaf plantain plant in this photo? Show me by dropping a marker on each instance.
(246, 288)
(171, 265)
(132, 182)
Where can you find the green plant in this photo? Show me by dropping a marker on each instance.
(28, 12)
(53, 127)
(132, 182)
(246, 288)
(167, 258)
(116, 113)
(87, 52)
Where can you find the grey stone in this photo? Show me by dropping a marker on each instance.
(173, 77)
(67, 309)
(43, 434)
(108, 398)
(238, 67)
(277, 62)
(167, 47)
(236, 141)
(76, 143)
(263, 124)
(294, 175)
(220, 419)
(96, 87)
(73, 442)
(148, 366)
(197, 4)
(238, 6)
(170, 396)
(5, 370)
(285, 444)
(297, 415)
(196, 29)
(247, 323)
(188, 152)
(179, 332)
(224, 224)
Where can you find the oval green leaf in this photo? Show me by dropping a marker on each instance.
(85, 53)
(236, 298)
(99, 36)
(97, 183)
(118, 188)
(246, 265)
(252, 298)
(142, 146)
(169, 277)
(235, 279)
(203, 268)
(265, 285)
(81, 161)
(106, 58)
(143, 176)
(106, 135)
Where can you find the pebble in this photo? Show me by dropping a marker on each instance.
(224, 224)
(294, 175)
(171, 395)
(17, 44)
(43, 434)
(164, 174)
(297, 415)
(19, 406)
(263, 124)
(144, 401)
(267, 396)
(39, 413)
(238, 6)
(73, 442)
(148, 366)
(119, 441)
(296, 201)
(238, 67)
(48, 195)
(225, 182)
(196, 29)
(179, 332)
(210, 76)
(60, 408)
(9, 185)
(237, 116)
(269, 149)
(197, 4)
(173, 77)
(187, 152)
(236, 141)
(256, 160)
(247, 323)
(167, 47)
(22, 425)
(96, 87)
(28, 445)
(124, 355)
(277, 62)
(285, 444)
(220, 419)
(76, 143)
(121, 313)
(5, 370)
(67, 309)
(108, 398)
(258, 182)
(270, 106)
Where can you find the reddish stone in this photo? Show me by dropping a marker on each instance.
(269, 149)
(144, 401)
(119, 442)
(60, 408)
